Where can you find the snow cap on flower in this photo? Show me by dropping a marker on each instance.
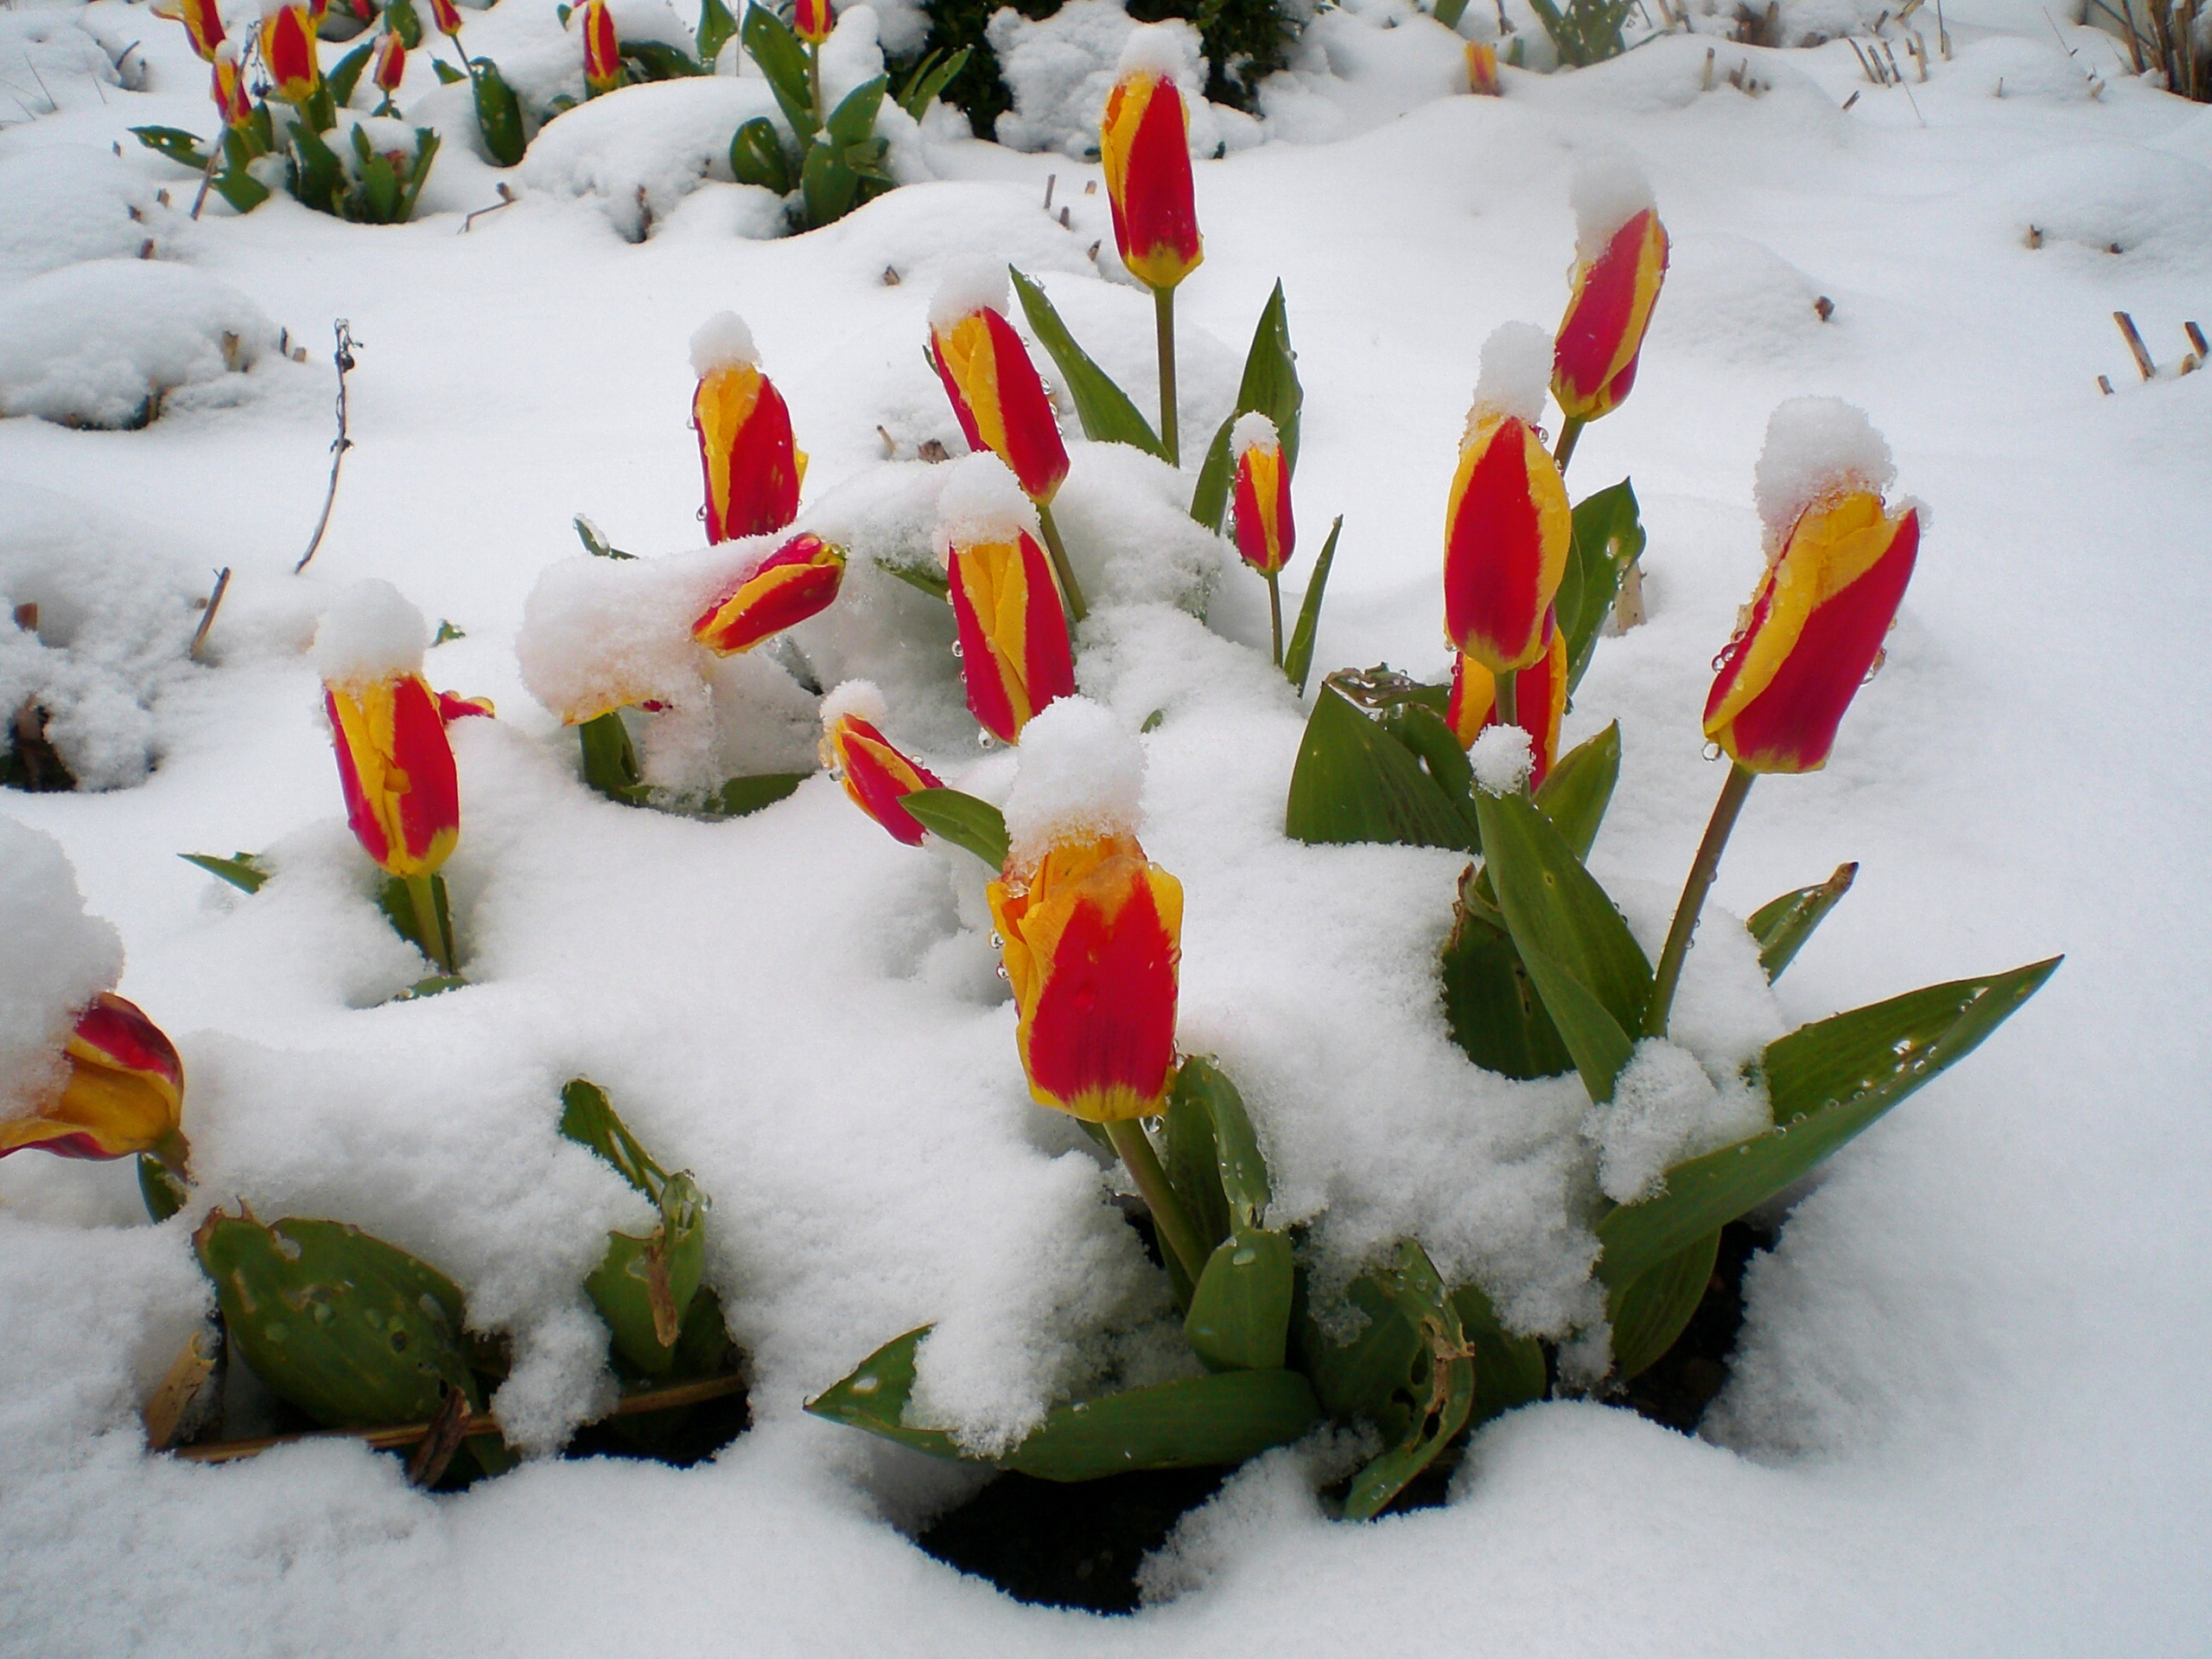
(982, 501)
(1082, 778)
(58, 960)
(1502, 759)
(1816, 448)
(970, 285)
(861, 698)
(1608, 190)
(1155, 49)
(369, 632)
(1253, 430)
(1516, 372)
(722, 342)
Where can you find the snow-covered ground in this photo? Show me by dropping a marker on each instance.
(1967, 1415)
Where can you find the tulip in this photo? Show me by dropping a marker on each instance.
(1144, 143)
(1593, 364)
(453, 706)
(1540, 701)
(1265, 534)
(402, 797)
(1014, 645)
(752, 470)
(603, 53)
(798, 579)
(288, 50)
(1482, 69)
(813, 20)
(874, 774)
(391, 64)
(1506, 533)
(447, 16)
(201, 21)
(125, 1093)
(228, 88)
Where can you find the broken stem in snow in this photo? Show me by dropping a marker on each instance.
(343, 358)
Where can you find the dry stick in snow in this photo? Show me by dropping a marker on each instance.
(343, 358)
(2144, 362)
(207, 618)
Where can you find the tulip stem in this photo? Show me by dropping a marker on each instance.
(1274, 614)
(428, 923)
(814, 81)
(1061, 567)
(1168, 1217)
(1568, 436)
(1163, 314)
(1507, 696)
(1703, 868)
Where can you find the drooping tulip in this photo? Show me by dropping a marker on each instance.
(390, 63)
(1482, 69)
(813, 21)
(227, 87)
(289, 51)
(124, 1095)
(602, 52)
(1508, 527)
(1621, 260)
(202, 22)
(753, 469)
(1540, 701)
(1265, 535)
(1145, 145)
(1014, 652)
(875, 776)
(993, 386)
(798, 579)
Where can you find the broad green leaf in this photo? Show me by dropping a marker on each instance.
(1447, 12)
(1104, 409)
(1782, 926)
(756, 156)
(610, 759)
(741, 796)
(1580, 787)
(588, 1118)
(659, 61)
(1602, 1047)
(1243, 1172)
(643, 1286)
(827, 187)
(242, 871)
(399, 17)
(499, 112)
(1827, 1082)
(925, 578)
(1209, 496)
(177, 145)
(399, 909)
(233, 183)
(446, 74)
(1270, 386)
(1509, 1370)
(875, 1395)
(1491, 1005)
(1608, 534)
(770, 43)
(1298, 655)
(1651, 1312)
(1354, 782)
(348, 74)
(1240, 1312)
(854, 120)
(318, 177)
(1192, 1157)
(930, 79)
(962, 820)
(1425, 735)
(426, 151)
(716, 28)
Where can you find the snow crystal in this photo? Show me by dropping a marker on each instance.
(972, 284)
(1817, 446)
(57, 959)
(1664, 1109)
(1608, 190)
(1253, 430)
(1516, 373)
(722, 342)
(860, 697)
(1502, 759)
(1156, 49)
(369, 632)
(982, 501)
(1082, 775)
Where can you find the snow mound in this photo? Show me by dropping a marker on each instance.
(1733, 300)
(636, 153)
(1082, 776)
(2151, 207)
(722, 342)
(1817, 446)
(982, 501)
(369, 632)
(68, 203)
(1516, 373)
(1061, 70)
(57, 959)
(1664, 1109)
(105, 343)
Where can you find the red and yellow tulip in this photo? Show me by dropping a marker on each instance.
(125, 1093)
(1540, 701)
(453, 706)
(1092, 936)
(201, 21)
(752, 470)
(1593, 364)
(602, 52)
(813, 21)
(288, 50)
(1482, 69)
(998, 398)
(1144, 145)
(447, 16)
(228, 90)
(391, 64)
(1506, 534)
(876, 775)
(1265, 534)
(798, 579)
(1814, 628)
(1014, 634)
(403, 796)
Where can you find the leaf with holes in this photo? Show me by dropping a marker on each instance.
(1509, 1370)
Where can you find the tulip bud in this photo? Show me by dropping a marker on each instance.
(1540, 701)
(453, 706)
(798, 579)
(403, 796)
(874, 774)
(1144, 142)
(202, 22)
(1014, 644)
(602, 53)
(1265, 536)
(1621, 259)
(993, 386)
(125, 1092)
(813, 20)
(288, 51)
(1482, 69)
(391, 64)
(1508, 527)
(752, 470)
(447, 16)
(228, 87)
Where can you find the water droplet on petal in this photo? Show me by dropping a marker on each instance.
(1712, 751)
(955, 648)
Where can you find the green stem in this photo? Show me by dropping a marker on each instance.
(1506, 691)
(1703, 868)
(1061, 567)
(435, 944)
(813, 82)
(1174, 1227)
(1163, 316)
(1275, 614)
(1567, 435)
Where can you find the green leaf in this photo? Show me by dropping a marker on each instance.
(399, 18)
(756, 156)
(1425, 736)
(1827, 1082)
(827, 187)
(1580, 787)
(498, 111)
(659, 61)
(873, 1396)
(1652, 1312)
(1242, 1172)
(597, 544)
(926, 578)
(1104, 409)
(643, 1286)
(177, 145)
(1783, 925)
(1192, 1160)
(1491, 1005)
(1354, 782)
(854, 120)
(1298, 655)
(1240, 1312)
(159, 1189)
(1587, 967)
(770, 43)
(446, 74)
(399, 909)
(1608, 534)
(588, 1118)
(1447, 12)
(447, 632)
(962, 820)
(1270, 386)
(716, 28)
(610, 761)
(1509, 1370)
(236, 185)
(929, 80)
(741, 796)
(242, 871)
(426, 151)
(1209, 495)
(318, 177)
(436, 985)
(347, 74)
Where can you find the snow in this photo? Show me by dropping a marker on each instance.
(1608, 192)
(1159, 50)
(982, 502)
(975, 284)
(57, 959)
(70, 203)
(1502, 759)
(1516, 374)
(862, 698)
(1082, 777)
(722, 342)
(1816, 448)
(1253, 430)
(1664, 1109)
(1061, 70)
(369, 633)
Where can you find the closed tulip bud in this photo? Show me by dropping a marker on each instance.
(1540, 701)
(1621, 259)
(1815, 627)
(798, 579)
(993, 386)
(1014, 644)
(391, 64)
(202, 22)
(1265, 536)
(602, 53)
(228, 88)
(1144, 145)
(403, 796)
(447, 16)
(1507, 527)
(753, 469)
(124, 1095)
(813, 21)
(288, 51)
(874, 774)
(1482, 69)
